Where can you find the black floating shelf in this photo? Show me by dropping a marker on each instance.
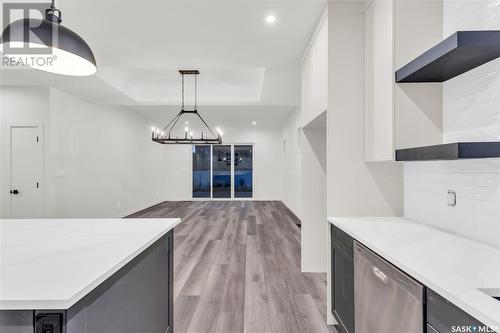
(450, 151)
(457, 54)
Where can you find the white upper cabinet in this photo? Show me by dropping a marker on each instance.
(379, 81)
(315, 75)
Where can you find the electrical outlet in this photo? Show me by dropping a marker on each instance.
(452, 198)
(48, 323)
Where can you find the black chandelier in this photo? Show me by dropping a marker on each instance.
(165, 136)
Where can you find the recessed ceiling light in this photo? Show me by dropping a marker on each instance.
(254, 123)
(270, 19)
(186, 123)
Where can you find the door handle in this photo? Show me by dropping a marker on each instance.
(15, 192)
(380, 275)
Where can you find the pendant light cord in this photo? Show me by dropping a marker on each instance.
(182, 107)
(196, 92)
(53, 14)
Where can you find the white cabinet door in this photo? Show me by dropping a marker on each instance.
(379, 81)
(315, 76)
(321, 69)
(307, 88)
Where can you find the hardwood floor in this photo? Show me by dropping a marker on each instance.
(237, 269)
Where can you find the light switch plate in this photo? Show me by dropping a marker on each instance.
(452, 198)
(60, 172)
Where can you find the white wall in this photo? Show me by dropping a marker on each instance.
(111, 167)
(314, 239)
(417, 107)
(291, 157)
(267, 158)
(471, 112)
(354, 188)
(28, 105)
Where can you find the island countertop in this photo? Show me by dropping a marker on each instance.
(455, 267)
(53, 263)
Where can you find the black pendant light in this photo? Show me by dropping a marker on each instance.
(69, 53)
(165, 136)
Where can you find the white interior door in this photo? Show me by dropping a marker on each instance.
(26, 171)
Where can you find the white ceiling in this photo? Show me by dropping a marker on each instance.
(249, 69)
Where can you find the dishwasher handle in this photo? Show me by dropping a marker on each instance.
(385, 272)
(380, 275)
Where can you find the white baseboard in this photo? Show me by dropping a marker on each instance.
(291, 209)
(138, 209)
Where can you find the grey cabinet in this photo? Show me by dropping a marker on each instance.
(445, 317)
(342, 280)
(137, 298)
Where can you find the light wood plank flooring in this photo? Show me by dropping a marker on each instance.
(237, 269)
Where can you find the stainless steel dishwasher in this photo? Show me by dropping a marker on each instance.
(386, 299)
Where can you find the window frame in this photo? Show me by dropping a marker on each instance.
(232, 198)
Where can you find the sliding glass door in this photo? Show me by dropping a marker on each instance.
(201, 171)
(222, 171)
(243, 171)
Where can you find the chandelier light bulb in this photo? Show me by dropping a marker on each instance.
(270, 19)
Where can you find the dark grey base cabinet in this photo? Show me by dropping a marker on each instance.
(441, 316)
(137, 298)
(342, 280)
(445, 317)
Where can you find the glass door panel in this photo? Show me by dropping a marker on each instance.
(243, 171)
(221, 171)
(201, 171)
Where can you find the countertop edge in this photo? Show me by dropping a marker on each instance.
(64, 304)
(479, 315)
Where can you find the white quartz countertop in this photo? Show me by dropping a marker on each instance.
(53, 263)
(453, 266)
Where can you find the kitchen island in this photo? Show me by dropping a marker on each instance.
(86, 275)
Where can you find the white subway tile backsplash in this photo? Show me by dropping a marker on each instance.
(470, 15)
(471, 105)
(471, 101)
(477, 184)
(471, 112)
